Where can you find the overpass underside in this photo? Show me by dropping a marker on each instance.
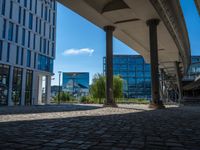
(154, 28)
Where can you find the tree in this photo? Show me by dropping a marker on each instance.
(98, 87)
(118, 87)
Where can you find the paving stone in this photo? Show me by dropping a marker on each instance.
(74, 127)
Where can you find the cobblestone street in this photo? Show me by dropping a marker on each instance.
(128, 127)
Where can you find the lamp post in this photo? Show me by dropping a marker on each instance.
(59, 89)
(73, 83)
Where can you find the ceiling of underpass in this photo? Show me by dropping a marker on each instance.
(129, 17)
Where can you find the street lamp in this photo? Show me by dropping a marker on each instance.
(59, 88)
(73, 77)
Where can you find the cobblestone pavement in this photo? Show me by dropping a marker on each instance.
(129, 127)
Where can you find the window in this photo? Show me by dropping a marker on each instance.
(24, 17)
(11, 8)
(44, 31)
(1, 47)
(28, 91)
(29, 38)
(4, 29)
(45, 13)
(35, 56)
(49, 32)
(3, 7)
(4, 84)
(36, 25)
(54, 18)
(17, 55)
(30, 6)
(45, 63)
(52, 52)
(28, 58)
(48, 47)
(19, 15)
(40, 44)
(53, 34)
(8, 53)
(30, 21)
(34, 41)
(16, 35)
(36, 6)
(44, 46)
(23, 37)
(25, 3)
(22, 56)
(49, 15)
(42, 11)
(17, 86)
(10, 31)
(40, 26)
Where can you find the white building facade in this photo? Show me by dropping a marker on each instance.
(27, 51)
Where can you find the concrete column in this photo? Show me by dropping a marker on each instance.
(152, 23)
(10, 102)
(39, 90)
(34, 88)
(48, 89)
(179, 81)
(23, 87)
(109, 66)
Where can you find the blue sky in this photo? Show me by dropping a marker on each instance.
(80, 45)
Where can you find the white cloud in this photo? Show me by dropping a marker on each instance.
(72, 51)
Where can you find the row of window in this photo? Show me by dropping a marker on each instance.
(45, 12)
(127, 60)
(16, 85)
(44, 63)
(45, 44)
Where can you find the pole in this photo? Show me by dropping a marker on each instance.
(59, 89)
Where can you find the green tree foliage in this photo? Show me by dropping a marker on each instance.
(118, 87)
(98, 87)
(64, 97)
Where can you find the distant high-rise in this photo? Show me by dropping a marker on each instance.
(135, 74)
(27, 51)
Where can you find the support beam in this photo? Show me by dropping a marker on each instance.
(179, 81)
(109, 66)
(155, 103)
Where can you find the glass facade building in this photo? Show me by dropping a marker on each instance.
(194, 69)
(27, 51)
(135, 73)
(76, 83)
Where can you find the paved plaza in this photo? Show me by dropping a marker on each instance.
(129, 127)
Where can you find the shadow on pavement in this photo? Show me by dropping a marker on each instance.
(170, 128)
(45, 109)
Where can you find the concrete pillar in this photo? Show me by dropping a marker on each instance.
(34, 88)
(48, 89)
(39, 90)
(23, 87)
(152, 23)
(109, 66)
(10, 102)
(179, 81)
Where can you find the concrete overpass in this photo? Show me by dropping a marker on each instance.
(154, 28)
(197, 2)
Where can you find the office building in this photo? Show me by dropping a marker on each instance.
(76, 83)
(27, 51)
(191, 81)
(135, 74)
